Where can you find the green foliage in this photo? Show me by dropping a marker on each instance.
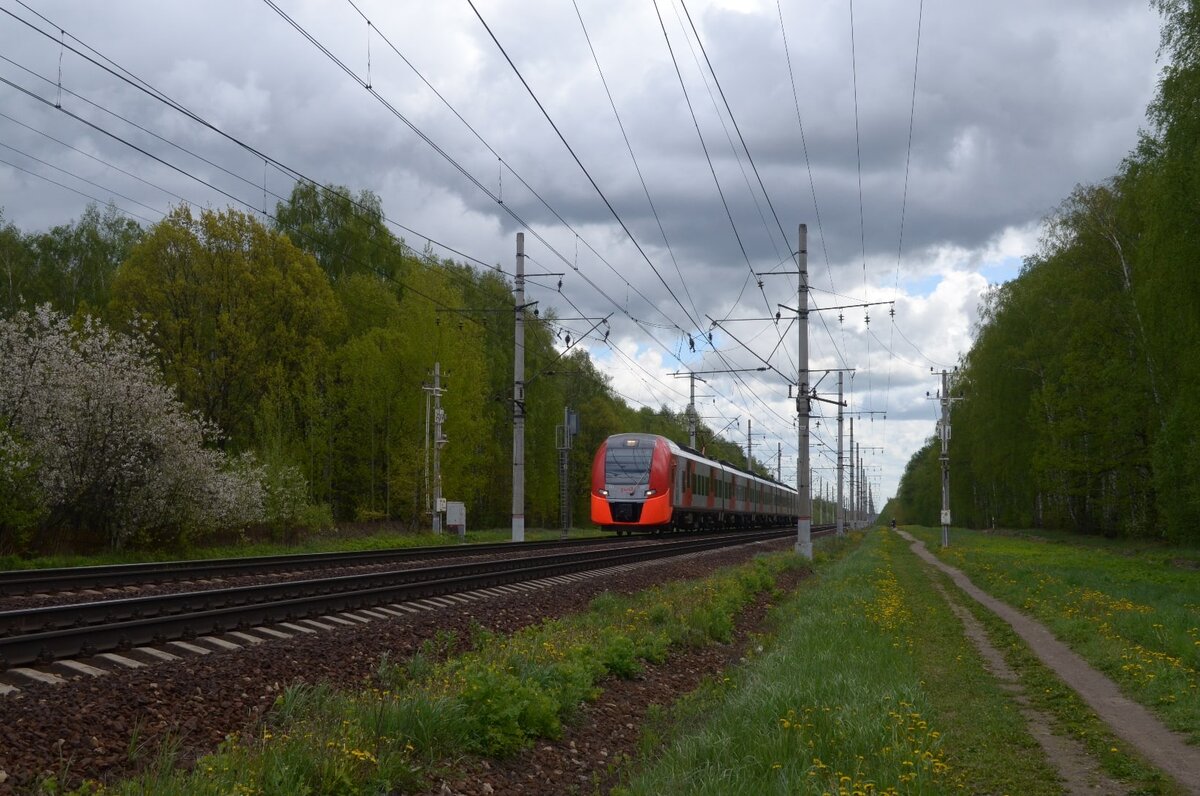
(346, 233)
(862, 690)
(16, 269)
(309, 345)
(239, 316)
(505, 711)
(494, 700)
(1127, 607)
(1177, 469)
(620, 657)
(70, 267)
(1079, 398)
(21, 503)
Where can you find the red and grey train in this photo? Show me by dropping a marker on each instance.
(646, 482)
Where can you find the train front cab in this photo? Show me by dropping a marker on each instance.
(631, 484)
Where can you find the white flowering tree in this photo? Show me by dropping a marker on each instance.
(113, 452)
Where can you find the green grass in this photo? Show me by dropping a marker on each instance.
(494, 700)
(1069, 715)
(1131, 609)
(322, 543)
(869, 687)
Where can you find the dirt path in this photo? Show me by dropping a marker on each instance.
(1135, 724)
(1080, 773)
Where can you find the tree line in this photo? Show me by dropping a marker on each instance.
(213, 371)
(1080, 396)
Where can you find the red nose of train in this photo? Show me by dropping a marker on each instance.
(631, 482)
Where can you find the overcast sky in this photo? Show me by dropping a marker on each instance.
(1015, 103)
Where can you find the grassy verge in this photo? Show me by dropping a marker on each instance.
(1132, 610)
(324, 543)
(870, 687)
(1069, 715)
(491, 701)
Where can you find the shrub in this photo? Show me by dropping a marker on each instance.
(20, 498)
(111, 449)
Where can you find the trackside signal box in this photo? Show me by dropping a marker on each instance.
(456, 517)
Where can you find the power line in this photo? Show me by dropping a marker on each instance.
(286, 169)
(74, 190)
(181, 171)
(503, 163)
(595, 186)
(93, 157)
(912, 112)
(146, 88)
(737, 128)
(507, 208)
(811, 182)
(616, 215)
(725, 127)
(695, 122)
(637, 167)
(736, 155)
(82, 179)
(862, 224)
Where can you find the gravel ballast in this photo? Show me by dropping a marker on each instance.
(107, 728)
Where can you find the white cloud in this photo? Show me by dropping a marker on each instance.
(1016, 103)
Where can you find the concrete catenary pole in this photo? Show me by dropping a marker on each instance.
(803, 487)
(944, 430)
(691, 412)
(439, 417)
(749, 446)
(841, 510)
(518, 479)
(850, 466)
(428, 493)
(862, 486)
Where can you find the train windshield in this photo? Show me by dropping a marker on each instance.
(628, 464)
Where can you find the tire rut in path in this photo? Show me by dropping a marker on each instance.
(1140, 728)
(1079, 771)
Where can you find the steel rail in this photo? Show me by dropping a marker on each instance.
(42, 635)
(46, 581)
(82, 614)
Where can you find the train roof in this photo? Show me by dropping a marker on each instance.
(681, 448)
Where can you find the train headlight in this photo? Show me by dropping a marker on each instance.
(602, 492)
(651, 492)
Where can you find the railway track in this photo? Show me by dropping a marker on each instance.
(74, 579)
(54, 633)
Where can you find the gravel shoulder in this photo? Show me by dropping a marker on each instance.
(108, 728)
(605, 735)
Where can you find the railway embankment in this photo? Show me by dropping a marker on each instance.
(871, 673)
